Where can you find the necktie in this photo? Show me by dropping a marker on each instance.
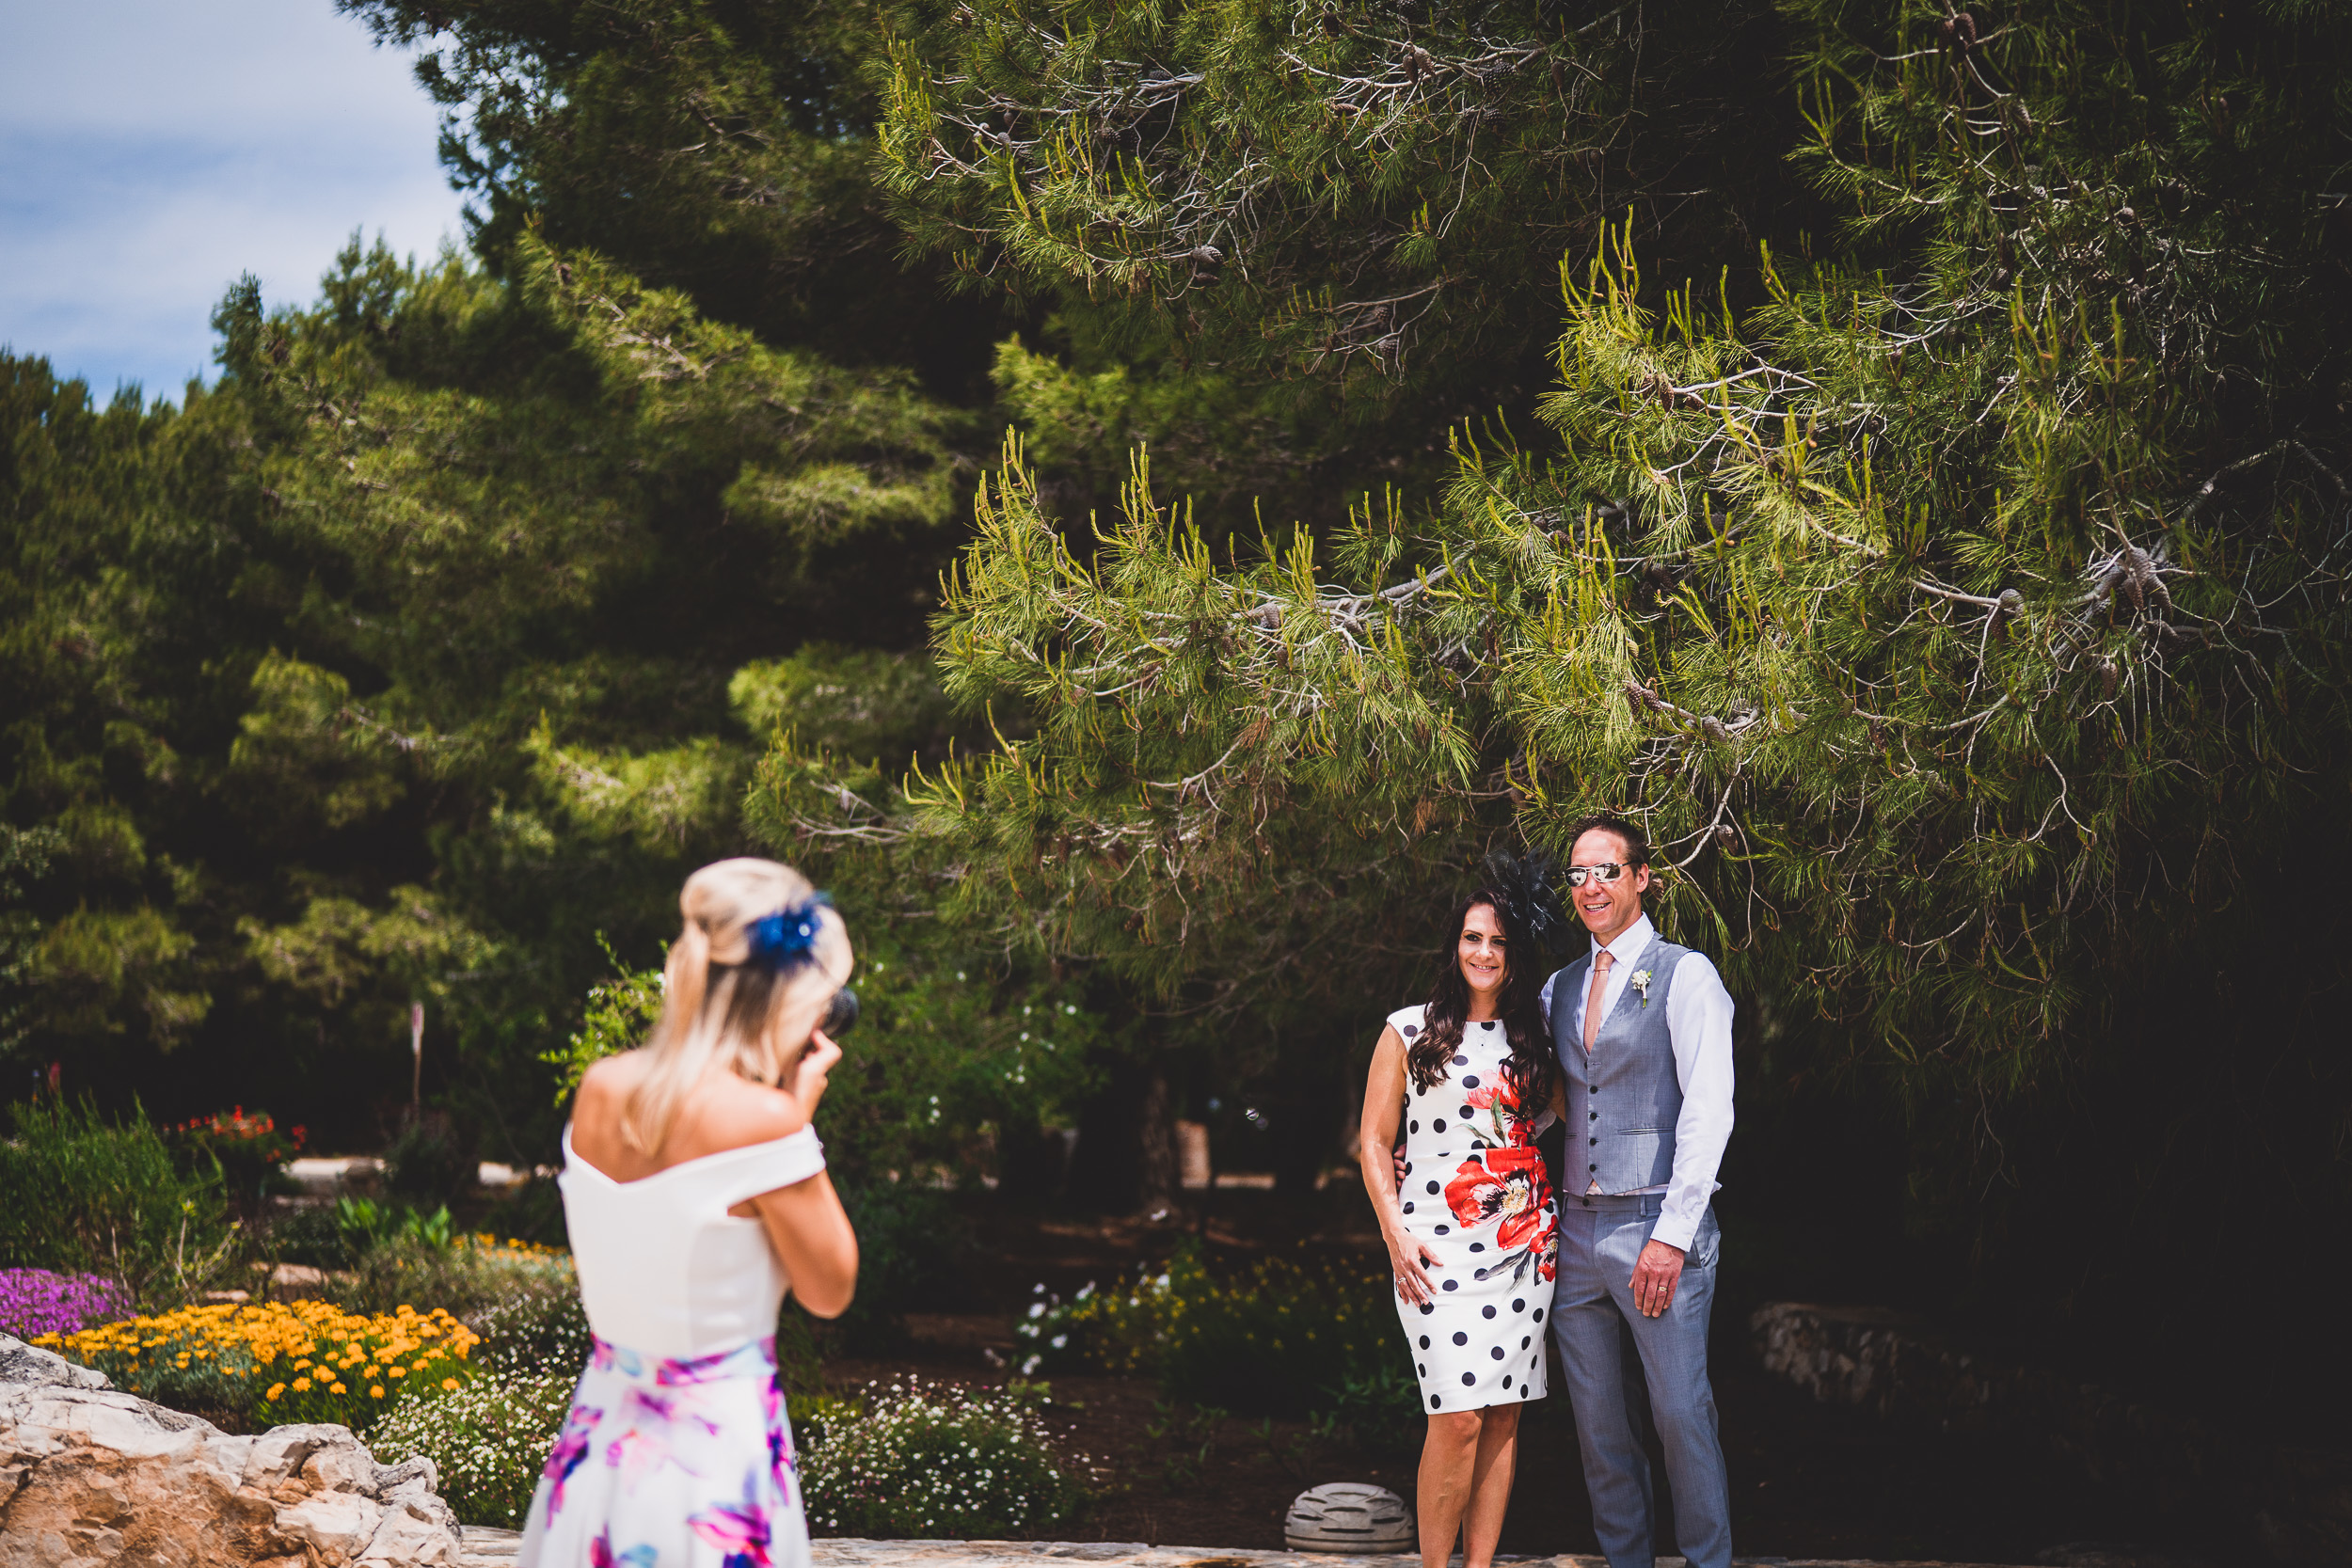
(1603, 962)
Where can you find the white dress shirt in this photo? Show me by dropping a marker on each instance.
(1698, 1022)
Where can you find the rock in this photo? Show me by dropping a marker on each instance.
(89, 1475)
(288, 1281)
(21, 1363)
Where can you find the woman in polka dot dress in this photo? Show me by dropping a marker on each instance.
(1471, 1230)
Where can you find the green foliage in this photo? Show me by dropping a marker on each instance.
(1901, 610)
(727, 152)
(539, 1328)
(936, 1461)
(859, 703)
(415, 1261)
(1279, 1337)
(23, 857)
(488, 1440)
(1284, 194)
(910, 1252)
(1375, 1408)
(88, 1195)
(621, 1013)
(429, 1161)
(250, 1149)
(402, 659)
(940, 1057)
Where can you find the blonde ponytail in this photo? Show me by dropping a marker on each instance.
(723, 1003)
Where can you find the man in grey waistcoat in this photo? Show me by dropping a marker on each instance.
(1644, 1031)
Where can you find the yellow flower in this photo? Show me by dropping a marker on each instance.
(302, 1385)
(337, 1388)
(396, 1372)
(449, 1383)
(276, 1389)
(376, 1392)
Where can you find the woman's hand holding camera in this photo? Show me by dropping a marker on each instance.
(807, 1080)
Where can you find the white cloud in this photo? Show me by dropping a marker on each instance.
(151, 151)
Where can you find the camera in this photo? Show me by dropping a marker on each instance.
(841, 1015)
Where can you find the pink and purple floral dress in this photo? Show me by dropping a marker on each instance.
(677, 1453)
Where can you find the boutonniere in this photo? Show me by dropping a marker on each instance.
(1640, 983)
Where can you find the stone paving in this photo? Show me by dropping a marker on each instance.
(495, 1548)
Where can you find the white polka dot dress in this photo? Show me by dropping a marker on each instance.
(1475, 1192)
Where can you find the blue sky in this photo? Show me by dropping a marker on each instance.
(151, 151)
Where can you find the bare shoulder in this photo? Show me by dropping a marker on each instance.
(610, 1078)
(603, 1094)
(726, 1112)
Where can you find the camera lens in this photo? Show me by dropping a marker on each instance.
(841, 1016)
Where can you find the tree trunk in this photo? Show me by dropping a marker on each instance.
(1157, 1176)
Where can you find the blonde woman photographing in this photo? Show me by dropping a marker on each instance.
(695, 1191)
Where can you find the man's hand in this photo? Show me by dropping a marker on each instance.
(1655, 1275)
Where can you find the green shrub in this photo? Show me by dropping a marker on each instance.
(430, 1163)
(1376, 1409)
(909, 1246)
(489, 1439)
(312, 1235)
(939, 1462)
(1279, 1339)
(83, 1195)
(540, 1329)
(532, 1210)
(250, 1149)
(1115, 1331)
(468, 1275)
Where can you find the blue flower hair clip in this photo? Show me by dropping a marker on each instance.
(787, 937)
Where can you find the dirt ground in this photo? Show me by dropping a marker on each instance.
(1807, 1480)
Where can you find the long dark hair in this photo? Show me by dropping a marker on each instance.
(1520, 1007)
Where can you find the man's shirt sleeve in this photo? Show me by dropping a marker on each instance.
(1698, 1019)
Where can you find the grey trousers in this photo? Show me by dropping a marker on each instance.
(1594, 1320)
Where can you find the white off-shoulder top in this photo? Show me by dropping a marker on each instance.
(664, 1269)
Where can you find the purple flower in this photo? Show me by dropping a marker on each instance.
(34, 1302)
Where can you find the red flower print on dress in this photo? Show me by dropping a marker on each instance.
(1506, 1188)
(1500, 1184)
(1506, 1128)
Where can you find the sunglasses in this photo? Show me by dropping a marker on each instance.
(1608, 873)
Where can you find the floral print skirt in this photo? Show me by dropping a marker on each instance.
(670, 1465)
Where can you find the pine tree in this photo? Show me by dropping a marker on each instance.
(1965, 618)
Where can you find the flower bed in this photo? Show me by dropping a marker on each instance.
(937, 1461)
(38, 1302)
(250, 1148)
(489, 1439)
(1281, 1338)
(279, 1362)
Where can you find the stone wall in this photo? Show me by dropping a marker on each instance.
(89, 1475)
(2295, 1503)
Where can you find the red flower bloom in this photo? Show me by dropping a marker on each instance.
(1505, 1184)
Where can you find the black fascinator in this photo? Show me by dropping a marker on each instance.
(1532, 910)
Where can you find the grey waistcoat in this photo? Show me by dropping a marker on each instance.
(1625, 1099)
